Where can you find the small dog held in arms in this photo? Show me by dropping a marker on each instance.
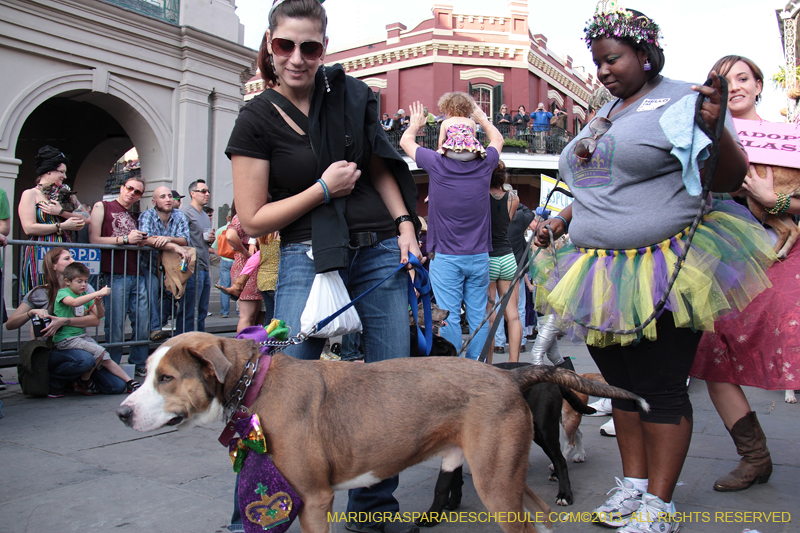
(330, 426)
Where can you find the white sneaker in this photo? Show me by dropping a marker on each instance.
(168, 327)
(619, 508)
(602, 406)
(608, 430)
(653, 516)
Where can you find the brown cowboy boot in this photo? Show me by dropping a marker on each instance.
(756, 464)
(236, 287)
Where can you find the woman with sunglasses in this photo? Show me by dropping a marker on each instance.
(42, 217)
(634, 202)
(758, 348)
(313, 145)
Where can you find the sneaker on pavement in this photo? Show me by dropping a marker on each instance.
(608, 429)
(168, 327)
(55, 392)
(131, 385)
(619, 508)
(382, 527)
(653, 516)
(86, 387)
(141, 371)
(601, 406)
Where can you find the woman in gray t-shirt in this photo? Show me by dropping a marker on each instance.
(635, 196)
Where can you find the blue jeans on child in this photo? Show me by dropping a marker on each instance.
(384, 317)
(457, 278)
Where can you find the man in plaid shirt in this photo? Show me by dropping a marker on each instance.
(166, 229)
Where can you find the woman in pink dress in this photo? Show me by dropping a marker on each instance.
(250, 298)
(760, 347)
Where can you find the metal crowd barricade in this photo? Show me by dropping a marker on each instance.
(12, 341)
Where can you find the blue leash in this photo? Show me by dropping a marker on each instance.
(421, 283)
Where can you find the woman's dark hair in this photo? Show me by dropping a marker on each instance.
(499, 176)
(296, 9)
(51, 280)
(725, 64)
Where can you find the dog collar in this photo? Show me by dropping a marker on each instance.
(245, 393)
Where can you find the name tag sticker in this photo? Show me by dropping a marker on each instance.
(649, 105)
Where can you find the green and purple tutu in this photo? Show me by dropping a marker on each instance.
(618, 289)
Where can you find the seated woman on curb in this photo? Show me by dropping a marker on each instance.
(65, 366)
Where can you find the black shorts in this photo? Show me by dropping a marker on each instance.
(655, 370)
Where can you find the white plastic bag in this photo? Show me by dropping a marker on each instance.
(328, 295)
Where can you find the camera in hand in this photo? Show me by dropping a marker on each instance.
(39, 324)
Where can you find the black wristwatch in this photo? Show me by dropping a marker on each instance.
(402, 218)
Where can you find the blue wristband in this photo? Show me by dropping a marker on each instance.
(564, 220)
(325, 190)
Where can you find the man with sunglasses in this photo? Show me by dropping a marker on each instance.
(112, 223)
(200, 237)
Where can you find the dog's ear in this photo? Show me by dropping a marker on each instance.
(212, 354)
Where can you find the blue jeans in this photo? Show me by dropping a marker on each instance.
(457, 278)
(500, 335)
(383, 312)
(269, 306)
(225, 281)
(128, 293)
(107, 382)
(384, 317)
(185, 315)
(66, 366)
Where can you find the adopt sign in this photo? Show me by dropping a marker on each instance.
(770, 143)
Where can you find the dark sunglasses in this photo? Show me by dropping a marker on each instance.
(201, 191)
(586, 146)
(310, 50)
(134, 190)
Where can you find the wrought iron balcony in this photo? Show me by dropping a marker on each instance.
(166, 10)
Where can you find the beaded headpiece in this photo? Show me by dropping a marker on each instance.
(614, 21)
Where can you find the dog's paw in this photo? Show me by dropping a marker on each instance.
(790, 397)
(564, 499)
(553, 477)
(579, 458)
(551, 467)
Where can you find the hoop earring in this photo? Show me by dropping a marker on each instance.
(325, 77)
(647, 65)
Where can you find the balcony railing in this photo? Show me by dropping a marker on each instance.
(552, 142)
(166, 10)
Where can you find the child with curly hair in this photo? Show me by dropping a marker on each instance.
(457, 134)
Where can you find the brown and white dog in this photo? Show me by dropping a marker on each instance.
(332, 426)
